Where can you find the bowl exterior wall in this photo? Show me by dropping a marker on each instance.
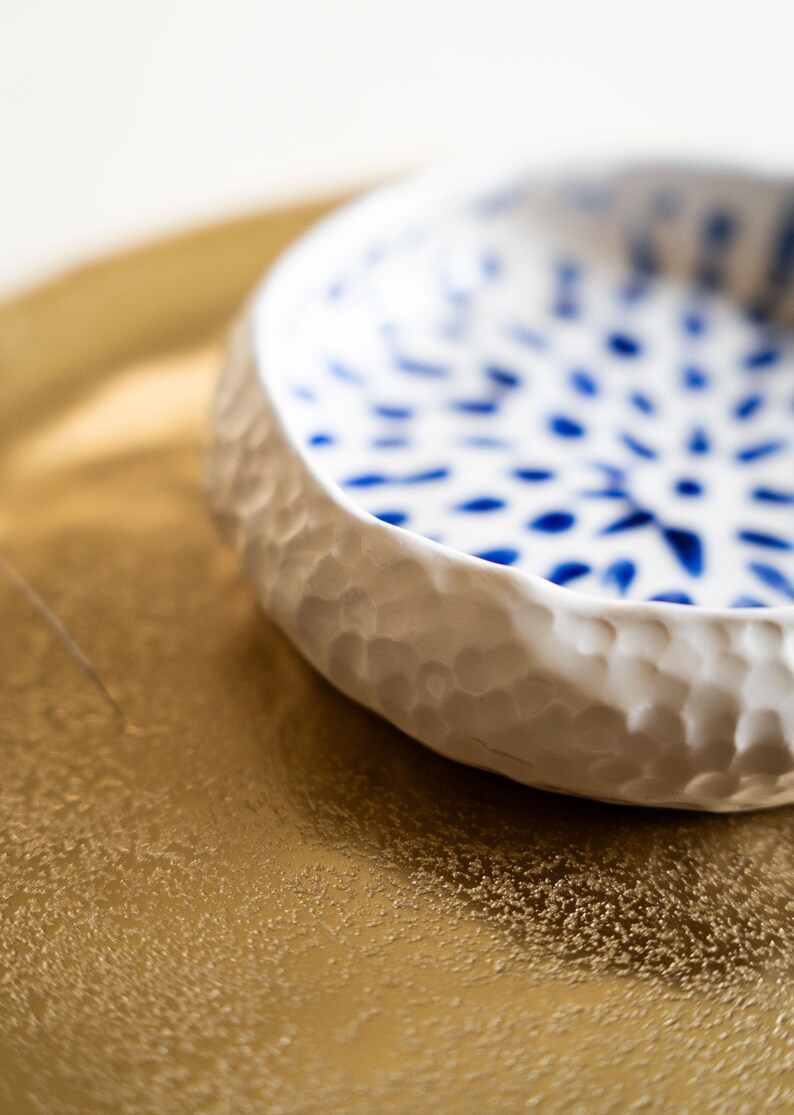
(643, 704)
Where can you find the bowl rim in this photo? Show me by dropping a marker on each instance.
(354, 222)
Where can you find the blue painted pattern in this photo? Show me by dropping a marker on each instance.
(617, 431)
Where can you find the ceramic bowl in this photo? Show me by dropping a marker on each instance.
(511, 461)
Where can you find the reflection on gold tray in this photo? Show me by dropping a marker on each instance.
(247, 894)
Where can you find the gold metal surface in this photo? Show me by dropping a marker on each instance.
(247, 894)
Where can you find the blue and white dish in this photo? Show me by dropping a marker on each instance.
(576, 394)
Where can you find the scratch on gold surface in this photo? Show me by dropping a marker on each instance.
(255, 896)
(59, 630)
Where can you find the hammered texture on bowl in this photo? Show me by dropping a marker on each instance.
(651, 704)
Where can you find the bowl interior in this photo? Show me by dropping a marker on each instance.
(591, 379)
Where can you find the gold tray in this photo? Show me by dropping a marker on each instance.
(238, 892)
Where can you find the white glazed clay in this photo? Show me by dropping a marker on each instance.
(403, 309)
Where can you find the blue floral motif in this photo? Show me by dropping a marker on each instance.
(612, 431)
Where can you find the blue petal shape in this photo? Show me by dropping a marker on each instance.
(638, 447)
(624, 344)
(553, 522)
(699, 441)
(632, 521)
(503, 376)
(390, 442)
(533, 475)
(688, 487)
(481, 504)
(421, 368)
(756, 452)
(426, 476)
(490, 265)
(773, 578)
(643, 403)
(634, 290)
(672, 597)
(760, 538)
(693, 322)
(565, 308)
(567, 571)
(563, 426)
(475, 406)
(528, 337)
(393, 518)
(605, 493)
(694, 378)
(568, 272)
(321, 439)
(366, 480)
(748, 602)
(397, 412)
(486, 442)
(773, 495)
(620, 575)
(687, 547)
(761, 358)
(504, 556)
(615, 474)
(747, 407)
(343, 372)
(583, 382)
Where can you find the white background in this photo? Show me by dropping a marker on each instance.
(120, 120)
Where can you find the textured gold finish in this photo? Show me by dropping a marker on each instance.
(250, 895)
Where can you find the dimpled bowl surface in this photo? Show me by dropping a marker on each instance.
(510, 462)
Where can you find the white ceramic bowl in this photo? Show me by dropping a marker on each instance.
(511, 461)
